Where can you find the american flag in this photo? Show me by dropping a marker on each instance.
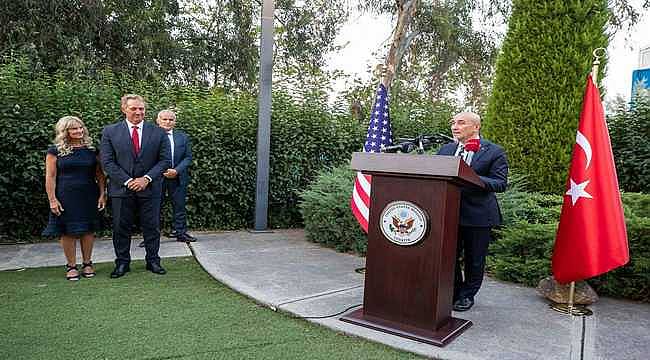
(379, 134)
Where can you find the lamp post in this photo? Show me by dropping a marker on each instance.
(264, 117)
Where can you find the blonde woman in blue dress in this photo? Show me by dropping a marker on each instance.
(75, 183)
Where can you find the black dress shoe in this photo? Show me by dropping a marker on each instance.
(141, 244)
(185, 238)
(156, 268)
(171, 234)
(120, 270)
(463, 304)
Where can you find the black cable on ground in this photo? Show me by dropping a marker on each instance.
(328, 316)
(358, 270)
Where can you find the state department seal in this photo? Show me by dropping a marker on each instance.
(403, 223)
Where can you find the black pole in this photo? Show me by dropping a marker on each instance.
(264, 117)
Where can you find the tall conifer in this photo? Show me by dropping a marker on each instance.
(540, 77)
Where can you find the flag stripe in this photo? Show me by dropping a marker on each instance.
(361, 190)
(363, 221)
(361, 203)
(379, 135)
(364, 182)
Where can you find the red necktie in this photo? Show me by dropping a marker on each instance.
(135, 140)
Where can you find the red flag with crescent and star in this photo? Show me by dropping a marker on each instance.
(591, 238)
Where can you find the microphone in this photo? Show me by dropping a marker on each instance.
(445, 137)
(420, 143)
(405, 147)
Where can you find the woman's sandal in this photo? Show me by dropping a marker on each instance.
(88, 274)
(69, 277)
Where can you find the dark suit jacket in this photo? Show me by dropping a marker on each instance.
(479, 207)
(121, 164)
(182, 156)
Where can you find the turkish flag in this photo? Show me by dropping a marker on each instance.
(591, 238)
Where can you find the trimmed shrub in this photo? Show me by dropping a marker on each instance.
(518, 206)
(522, 252)
(325, 207)
(523, 249)
(540, 76)
(305, 138)
(629, 129)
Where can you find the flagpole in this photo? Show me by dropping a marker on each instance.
(572, 291)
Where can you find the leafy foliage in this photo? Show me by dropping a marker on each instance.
(325, 208)
(522, 252)
(191, 41)
(523, 249)
(445, 52)
(126, 36)
(519, 206)
(535, 103)
(629, 130)
(411, 113)
(305, 138)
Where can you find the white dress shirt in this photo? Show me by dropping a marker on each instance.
(140, 127)
(170, 135)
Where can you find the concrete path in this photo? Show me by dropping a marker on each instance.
(14, 257)
(285, 272)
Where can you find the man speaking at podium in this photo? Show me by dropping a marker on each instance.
(479, 210)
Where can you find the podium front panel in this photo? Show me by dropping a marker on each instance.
(412, 284)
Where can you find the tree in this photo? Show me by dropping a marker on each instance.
(127, 36)
(629, 128)
(190, 41)
(540, 78)
(218, 43)
(444, 52)
(453, 44)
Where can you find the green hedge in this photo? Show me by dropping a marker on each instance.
(523, 247)
(522, 252)
(304, 139)
(325, 207)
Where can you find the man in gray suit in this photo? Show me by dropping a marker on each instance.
(134, 154)
(177, 177)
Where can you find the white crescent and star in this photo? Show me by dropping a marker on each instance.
(578, 190)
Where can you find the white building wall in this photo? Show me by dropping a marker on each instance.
(644, 57)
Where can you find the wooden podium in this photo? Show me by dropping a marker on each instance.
(409, 288)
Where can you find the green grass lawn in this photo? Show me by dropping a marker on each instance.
(182, 315)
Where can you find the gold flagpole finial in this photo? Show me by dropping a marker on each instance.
(379, 71)
(598, 53)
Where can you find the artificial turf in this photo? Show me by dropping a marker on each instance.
(182, 315)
